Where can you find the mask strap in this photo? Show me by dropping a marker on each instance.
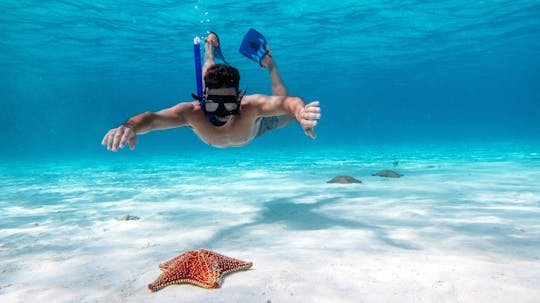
(196, 97)
(243, 94)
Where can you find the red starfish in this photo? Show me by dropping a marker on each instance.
(203, 268)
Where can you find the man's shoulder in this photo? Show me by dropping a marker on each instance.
(185, 109)
(253, 100)
(187, 106)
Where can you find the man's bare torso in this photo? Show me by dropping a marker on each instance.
(237, 131)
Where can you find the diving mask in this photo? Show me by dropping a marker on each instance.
(221, 105)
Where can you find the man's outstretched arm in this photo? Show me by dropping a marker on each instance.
(117, 138)
(306, 114)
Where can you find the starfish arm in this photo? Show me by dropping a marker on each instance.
(175, 272)
(168, 278)
(226, 264)
(176, 259)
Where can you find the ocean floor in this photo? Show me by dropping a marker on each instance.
(456, 227)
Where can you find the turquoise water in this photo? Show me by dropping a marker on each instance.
(385, 72)
(446, 93)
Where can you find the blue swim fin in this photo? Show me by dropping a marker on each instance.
(217, 50)
(254, 46)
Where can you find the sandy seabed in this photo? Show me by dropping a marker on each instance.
(465, 232)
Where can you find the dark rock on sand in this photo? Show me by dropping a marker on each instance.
(128, 218)
(344, 180)
(387, 174)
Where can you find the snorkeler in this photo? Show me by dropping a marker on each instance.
(224, 117)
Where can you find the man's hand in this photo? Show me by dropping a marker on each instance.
(308, 118)
(117, 137)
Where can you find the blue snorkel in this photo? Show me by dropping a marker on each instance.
(198, 74)
(198, 67)
(200, 94)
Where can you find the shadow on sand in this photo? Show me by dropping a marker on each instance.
(301, 217)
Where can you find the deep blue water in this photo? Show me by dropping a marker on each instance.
(386, 72)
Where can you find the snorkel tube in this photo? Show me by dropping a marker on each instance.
(198, 74)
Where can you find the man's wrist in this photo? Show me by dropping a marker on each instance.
(298, 114)
(130, 124)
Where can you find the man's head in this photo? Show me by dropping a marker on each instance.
(222, 76)
(222, 96)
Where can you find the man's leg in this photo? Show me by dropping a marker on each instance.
(278, 87)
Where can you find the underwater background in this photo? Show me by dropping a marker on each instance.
(446, 93)
(389, 73)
